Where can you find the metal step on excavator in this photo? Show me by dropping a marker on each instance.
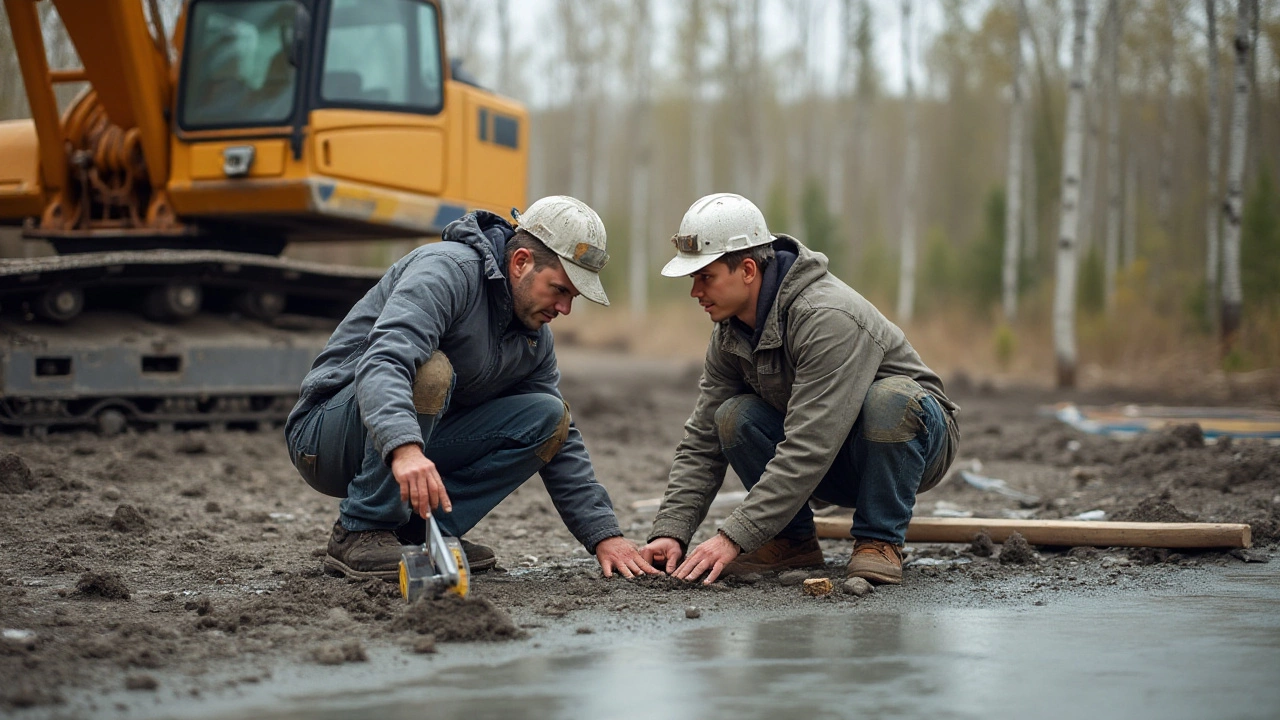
(189, 161)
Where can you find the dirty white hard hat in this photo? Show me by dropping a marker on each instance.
(572, 230)
(715, 225)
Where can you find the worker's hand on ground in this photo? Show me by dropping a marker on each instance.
(420, 483)
(663, 553)
(619, 553)
(710, 557)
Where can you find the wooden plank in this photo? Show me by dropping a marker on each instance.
(1068, 533)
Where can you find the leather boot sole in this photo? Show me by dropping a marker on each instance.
(799, 562)
(335, 567)
(885, 577)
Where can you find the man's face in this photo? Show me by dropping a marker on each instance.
(539, 296)
(722, 292)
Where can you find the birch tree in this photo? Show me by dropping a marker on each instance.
(578, 56)
(1064, 305)
(1214, 161)
(1013, 181)
(1114, 190)
(699, 129)
(1232, 295)
(907, 239)
(641, 149)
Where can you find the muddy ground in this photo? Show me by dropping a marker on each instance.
(185, 563)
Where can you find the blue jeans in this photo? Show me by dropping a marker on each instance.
(483, 453)
(901, 444)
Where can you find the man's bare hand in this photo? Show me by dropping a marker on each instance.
(710, 557)
(663, 553)
(619, 553)
(420, 483)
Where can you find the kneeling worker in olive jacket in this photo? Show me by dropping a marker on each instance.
(808, 391)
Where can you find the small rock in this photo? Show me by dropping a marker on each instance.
(15, 476)
(1017, 551)
(19, 639)
(749, 578)
(425, 645)
(1250, 556)
(111, 492)
(127, 519)
(857, 586)
(102, 584)
(982, 546)
(817, 587)
(212, 507)
(792, 577)
(140, 682)
(693, 612)
(584, 630)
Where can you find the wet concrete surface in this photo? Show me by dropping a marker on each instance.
(1206, 645)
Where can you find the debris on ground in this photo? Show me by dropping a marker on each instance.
(857, 586)
(1017, 551)
(455, 619)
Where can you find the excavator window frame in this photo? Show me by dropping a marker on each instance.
(316, 96)
(308, 96)
(276, 126)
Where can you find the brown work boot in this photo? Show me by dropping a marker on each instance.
(479, 557)
(876, 561)
(778, 554)
(371, 554)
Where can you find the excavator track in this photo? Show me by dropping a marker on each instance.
(163, 339)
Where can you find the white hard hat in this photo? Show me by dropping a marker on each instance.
(715, 225)
(572, 230)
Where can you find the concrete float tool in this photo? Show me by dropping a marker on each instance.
(435, 567)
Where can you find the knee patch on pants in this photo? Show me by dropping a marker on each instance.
(552, 445)
(432, 384)
(728, 417)
(891, 412)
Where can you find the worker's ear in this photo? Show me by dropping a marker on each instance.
(521, 263)
(750, 270)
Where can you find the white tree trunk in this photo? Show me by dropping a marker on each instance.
(1092, 148)
(1031, 234)
(839, 162)
(1064, 305)
(1013, 178)
(699, 129)
(1232, 294)
(1130, 240)
(907, 240)
(763, 108)
(638, 267)
(1213, 204)
(504, 47)
(1114, 190)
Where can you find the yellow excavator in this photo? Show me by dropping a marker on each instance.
(171, 185)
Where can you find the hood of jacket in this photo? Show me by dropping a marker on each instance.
(808, 268)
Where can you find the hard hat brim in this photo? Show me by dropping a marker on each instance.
(585, 282)
(688, 263)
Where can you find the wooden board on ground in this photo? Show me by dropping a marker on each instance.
(1063, 532)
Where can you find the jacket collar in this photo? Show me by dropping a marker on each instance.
(487, 234)
(809, 267)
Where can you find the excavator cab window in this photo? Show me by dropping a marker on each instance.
(238, 71)
(382, 54)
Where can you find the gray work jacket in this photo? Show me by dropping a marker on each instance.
(822, 346)
(453, 296)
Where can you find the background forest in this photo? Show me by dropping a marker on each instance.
(1065, 190)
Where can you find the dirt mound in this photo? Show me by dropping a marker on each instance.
(15, 476)
(982, 546)
(455, 619)
(127, 519)
(102, 584)
(1155, 510)
(1017, 551)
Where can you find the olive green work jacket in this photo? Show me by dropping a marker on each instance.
(822, 346)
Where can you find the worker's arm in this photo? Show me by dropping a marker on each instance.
(421, 305)
(699, 466)
(569, 476)
(836, 361)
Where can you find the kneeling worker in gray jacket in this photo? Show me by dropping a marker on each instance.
(438, 393)
(808, 391)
